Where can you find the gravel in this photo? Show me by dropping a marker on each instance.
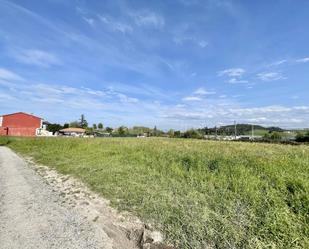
(32, 214)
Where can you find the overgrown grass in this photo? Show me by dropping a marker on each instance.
(200, 193)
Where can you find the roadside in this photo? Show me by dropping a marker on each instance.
(40, 208)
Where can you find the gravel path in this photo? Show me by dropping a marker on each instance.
(32, 216)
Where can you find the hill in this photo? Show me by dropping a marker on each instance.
(242, 129)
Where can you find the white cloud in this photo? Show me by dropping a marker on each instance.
(237, 81)
(305, 109)
(36, 57)
(198, 95)
(9, 75)
(125, 99)
(225, 112)
(232, 72)
(73, 98)
(148, 18)
(185, 116)
(116, 25)
(122, 27)
(202, 91)
(125, 109)
(277, 63)
(270, 76)
(203, 44)
(180, 39)
(6, 97)
(90, 21)
(303, 60)
(192, 98)
(260, 110)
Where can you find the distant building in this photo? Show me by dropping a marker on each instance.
(20, 124)
(72, 132)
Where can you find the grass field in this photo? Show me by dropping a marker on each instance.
(199, 193)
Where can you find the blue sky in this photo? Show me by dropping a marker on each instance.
(170, 63)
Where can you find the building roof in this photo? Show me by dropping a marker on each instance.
(4, 115)
(72, 129)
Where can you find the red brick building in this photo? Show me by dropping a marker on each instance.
(19, 124)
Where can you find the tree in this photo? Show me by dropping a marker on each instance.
(54, 127)
(192, 134)
(100, 126)
(266, 136)
(275, 136)
(75, 124)
(109, 129)
(177, 134)
(171, 133)
(94, 126)
(300, 137)
(155, 131)
(122, 130)
(83, 122)
(66, 125)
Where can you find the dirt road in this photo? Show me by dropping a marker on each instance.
(32, 216)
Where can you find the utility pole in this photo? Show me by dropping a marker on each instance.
(252, 133)
(235, 130)
(216, 131)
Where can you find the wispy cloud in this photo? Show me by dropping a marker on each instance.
(202, 44)
(148, 18)
(235, 75)
(192, 98)
(237, 81)
(181, 39)
(203, 91)
(225, 112)
(36, 57)
(270, 76)
(61, 93)
(194, 109)
(90, 21)
(277, 63)
(116, 25)
(303, 60)
(9, 75)
(232, 72)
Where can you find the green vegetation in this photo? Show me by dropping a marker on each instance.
(241, 129)
(257, 132)
(200, 193)
(268, 134)
(302, 137)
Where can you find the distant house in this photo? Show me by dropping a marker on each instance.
(20, 124)
(73, 132)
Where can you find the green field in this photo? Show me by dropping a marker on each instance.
(201, 194)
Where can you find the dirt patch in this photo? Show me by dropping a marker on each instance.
(126, 230)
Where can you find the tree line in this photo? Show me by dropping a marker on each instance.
(271, 133)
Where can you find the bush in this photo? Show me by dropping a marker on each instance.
(192, 134)
(300, 137)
